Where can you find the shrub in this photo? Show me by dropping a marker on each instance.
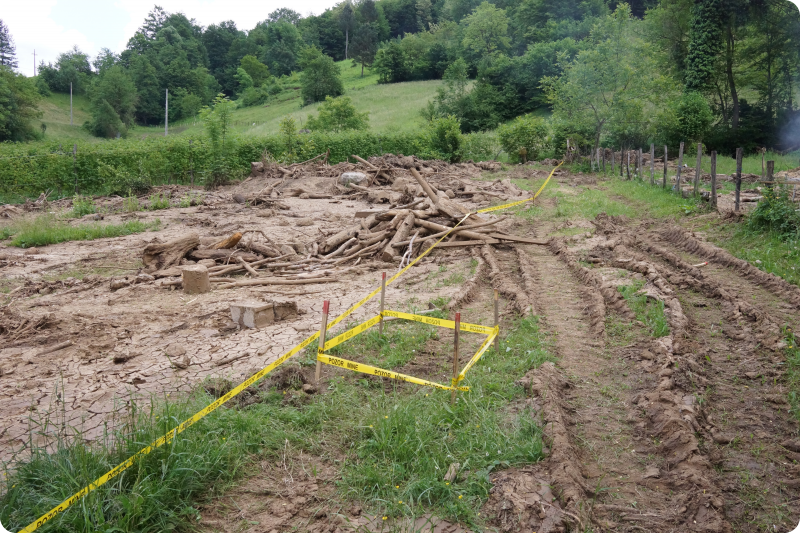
(320, 78)
(159, 201)
(338, 114)
(776, 213)
(82, 205)
(524, 138)
(688, 118)
(443, 140)
(481, 146)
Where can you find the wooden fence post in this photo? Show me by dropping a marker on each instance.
(613, 160)
(652, 164)
(738, 179)
(770, 173)
(628, 165)
(455, 358)
(641, 165)
(678, 175)
(383, 297)
(697, 170)
(713, 197)
(664, 184)
(322, 330)
(604, 160)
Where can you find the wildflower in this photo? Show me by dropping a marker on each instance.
(385, 417)
(385, 517)
(397, 486)
(400, 501)
(370, 425)
(460, 496)
(447, 483)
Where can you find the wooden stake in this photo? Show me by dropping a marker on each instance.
(628, 165)
(714, 178)
(770, 172)
(383, 299)
(455, 358)
(652, 164)
(496, 320)
(604, 160)
(641, 163)
(738, 179)
(613, 160)
(697, 167)
(678, 174)
(664, 183)
(322, 330)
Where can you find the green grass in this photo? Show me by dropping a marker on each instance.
(390, 447)
(158, 201)
(776, 255)
(82, 205)
(391, 107)
(47, 229)
(55, 114)
(648, 311)
(750, 164)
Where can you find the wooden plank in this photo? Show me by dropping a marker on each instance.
(517, 239)
(367, 213)
(466, 243)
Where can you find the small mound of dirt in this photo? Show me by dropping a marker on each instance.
(290, 378)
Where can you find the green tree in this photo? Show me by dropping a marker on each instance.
(116, 88)
(18, 106)
(217, 120)
(282, 47)
(105, 121)
(524, 138)
(705, 44)
(105, 60)
(443, 139)
(150, 109)
(347, 21)
(609, 84)
(257, 70)
(244, 79)
(338, 114)
(8, 52)
(365, 45)
(392, 63)
(320, 77)
(486, 30)
(424, 14)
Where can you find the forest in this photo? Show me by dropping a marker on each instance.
(597, 72)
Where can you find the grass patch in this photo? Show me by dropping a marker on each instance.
(776, 255)
(158, 201)
(82, 206)
(793, 371)
(46, 229)
(647, 310)
(393, 448)
(655, 200)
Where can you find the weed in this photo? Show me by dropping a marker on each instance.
(649, 311)
(159, 201)
(131, 204)
(46, 229)
(191, 199)
(82, 206)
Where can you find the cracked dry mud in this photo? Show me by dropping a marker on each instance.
(686, 432)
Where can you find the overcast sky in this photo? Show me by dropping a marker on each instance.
(54, 26)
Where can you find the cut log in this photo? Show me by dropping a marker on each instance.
(247, 267)
(514, 238)
(277, 281)
(228, 243)
(438, 227)
(222, 255)
(164, 255)
(263, 249)
(403, 229)
(364, 161)
(337, 239)
(466, 243)
(444, 205)
(454, 231)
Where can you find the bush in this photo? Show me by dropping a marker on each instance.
(82, 205)
(443, 140)
(481, 146)
(320, 78)
(524, 138)
(686, 119)
(338, 114)
(776, 213)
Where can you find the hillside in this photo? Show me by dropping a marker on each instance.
(380, 101)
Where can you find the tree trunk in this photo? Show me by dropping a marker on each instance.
(346, 41)
(731, 83)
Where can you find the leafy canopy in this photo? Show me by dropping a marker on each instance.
(338, 114)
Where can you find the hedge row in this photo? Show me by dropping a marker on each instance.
(29, 169)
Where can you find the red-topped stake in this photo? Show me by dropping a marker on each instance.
(322, 331)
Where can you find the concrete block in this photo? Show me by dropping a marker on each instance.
(253, 314)
(195, 279)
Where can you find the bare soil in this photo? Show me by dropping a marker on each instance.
(686, 432)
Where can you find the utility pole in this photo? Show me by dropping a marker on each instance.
(166, 114)
(34, 62)
(70, 103)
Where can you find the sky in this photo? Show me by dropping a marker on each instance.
(53, 26)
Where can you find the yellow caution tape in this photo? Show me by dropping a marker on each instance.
(506, 206)
(166, 438)
(339, 339)
(449, 324)
(374, 371)
(479, 354)
(169, 436)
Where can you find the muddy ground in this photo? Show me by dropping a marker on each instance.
(686, 432)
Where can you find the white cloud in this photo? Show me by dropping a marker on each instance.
(93, 24)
